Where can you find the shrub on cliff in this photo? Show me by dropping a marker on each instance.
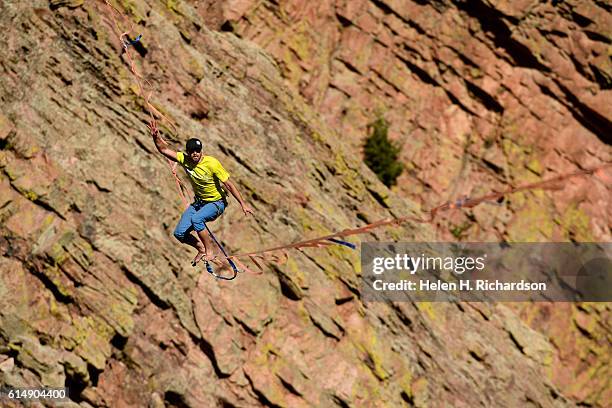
(381, 154)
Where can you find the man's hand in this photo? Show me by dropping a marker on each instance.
(153, 128)
(161, 144)
(247, 210)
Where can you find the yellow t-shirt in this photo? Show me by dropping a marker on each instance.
(205, 177)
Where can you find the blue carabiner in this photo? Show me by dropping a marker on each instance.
(132, 42)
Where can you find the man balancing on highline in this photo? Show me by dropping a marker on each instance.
(207, 175)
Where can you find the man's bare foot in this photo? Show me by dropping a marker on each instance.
(198, 258)
(210, 257)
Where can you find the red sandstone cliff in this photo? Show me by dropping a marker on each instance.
(96, 295)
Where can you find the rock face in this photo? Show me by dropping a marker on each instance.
(480, 94)
(96, 295)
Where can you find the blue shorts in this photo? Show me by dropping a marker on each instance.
(196, 216)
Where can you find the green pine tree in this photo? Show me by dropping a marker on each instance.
(381, 154)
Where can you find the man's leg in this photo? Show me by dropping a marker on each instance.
(191, 240)
(182, 232)
(208, 245)
(207, 213)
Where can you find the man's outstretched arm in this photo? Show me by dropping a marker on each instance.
(232, 189)
(161, 146)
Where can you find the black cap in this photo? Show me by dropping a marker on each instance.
(193, 145)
